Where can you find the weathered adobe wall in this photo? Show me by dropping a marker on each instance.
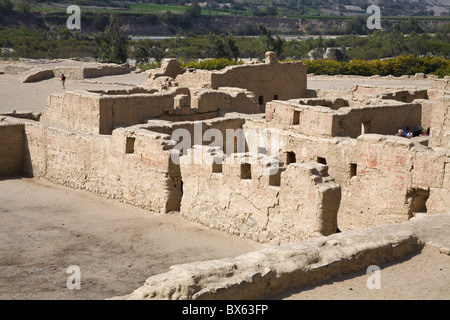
(277, 269)
(267, 80)
(362, 94)
(138, 173)
(44, 72)
(12, 148)
(402, 94)
(440, 123)
(97, 113)
(197, 129)
(224, 99)
(382, 177)
(292, 204)
(395, 180)
(323, 121)
(79, 110)
(441, 87)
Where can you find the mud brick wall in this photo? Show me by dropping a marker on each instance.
(384, 179)
(241, 197)
(323, 121)
(440, 123)
(268, 81)
(132, 165)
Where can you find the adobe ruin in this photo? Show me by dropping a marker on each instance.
(333, 158)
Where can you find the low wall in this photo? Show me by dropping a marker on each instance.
(79, 110)
(72, 73)
(277, 269)
(37, 75)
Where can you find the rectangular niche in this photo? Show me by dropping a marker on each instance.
(246, 171)
(290, 157)
(130, 145)
(296, 119)
(353, 169)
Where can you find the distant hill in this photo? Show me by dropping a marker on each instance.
(344, 7)
(351, 7)
(239, 17)
(280, 8)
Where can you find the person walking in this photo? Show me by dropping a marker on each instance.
(63, 81)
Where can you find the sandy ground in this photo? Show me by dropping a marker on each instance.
(45, 228)
(421, 276)
(16, 95)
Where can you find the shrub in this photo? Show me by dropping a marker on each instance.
(401, 65)
(211, 64)
(148, 66)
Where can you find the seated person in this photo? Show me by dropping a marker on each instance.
(420, 132)
(408, 129)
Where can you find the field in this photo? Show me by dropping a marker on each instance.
(144, 8)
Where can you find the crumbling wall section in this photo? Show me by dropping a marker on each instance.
(251, 196)
(268, 81)
(324, 121)
(384, 179)
(100, 112)
(440, 123)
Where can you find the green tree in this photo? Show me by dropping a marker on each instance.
(444, 32)
(6, 6)
(411, 26)
(194, 10)
(141, 52)
(339, 54)
(145, 50)
(271, 11)
(64, 33)
(223, 46)
(319, 50)
(24, 6)
(357, 26)
(112, 44)
(270, 43)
